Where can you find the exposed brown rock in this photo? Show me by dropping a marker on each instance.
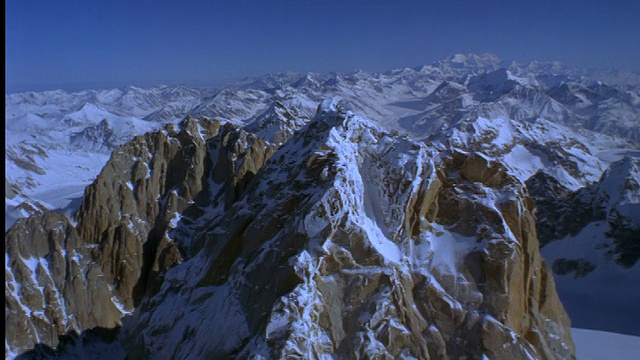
(66, 293)
(120, 246)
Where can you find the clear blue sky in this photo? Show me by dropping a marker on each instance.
(88, 43)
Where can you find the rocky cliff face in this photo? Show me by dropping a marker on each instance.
(560, 212)
(64, 277)
(344, 241)
(52, 284)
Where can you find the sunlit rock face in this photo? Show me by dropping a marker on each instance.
(51, 285)
(344, 241)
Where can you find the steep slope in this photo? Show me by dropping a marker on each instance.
(278, 123)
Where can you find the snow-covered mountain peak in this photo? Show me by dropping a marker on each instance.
(475, 59)
(549, 67)
(458, 58)
(100, 137)
(309, 79)
(461, 64)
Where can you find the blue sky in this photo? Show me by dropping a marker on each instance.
(103, 43)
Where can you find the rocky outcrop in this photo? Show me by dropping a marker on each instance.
(63, 278)
(580, 267)
(52, 286)
(10, 190)
(152, 180)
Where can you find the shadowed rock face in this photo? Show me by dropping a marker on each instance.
(344, 241)
(560, 212)
(98, 136)
(579, 267)
(613, 199)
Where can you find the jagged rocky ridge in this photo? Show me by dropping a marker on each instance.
(344, 240)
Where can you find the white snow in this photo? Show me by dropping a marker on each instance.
(76, 257)
(118, 304)
(67, 173)
(599, 345)
(350, 182)
(175, 220)
(32, 265)
(445, 247)
(500, 128)
(522, 163)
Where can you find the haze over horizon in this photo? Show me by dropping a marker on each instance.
(73, 44)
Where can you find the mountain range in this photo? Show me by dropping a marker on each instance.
(405, 216)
